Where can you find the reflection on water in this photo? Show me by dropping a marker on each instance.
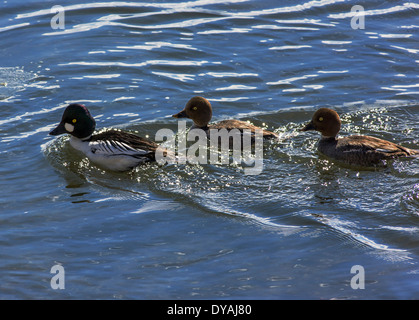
(208, 231)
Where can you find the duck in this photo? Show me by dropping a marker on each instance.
(113, 149)
(358, 150)
(199, 109)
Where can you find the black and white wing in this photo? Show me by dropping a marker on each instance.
(118, 143)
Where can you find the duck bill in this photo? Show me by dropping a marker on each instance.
(309, 126)
(60, 129)
(181, 114)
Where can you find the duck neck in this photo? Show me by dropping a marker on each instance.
(79, 144)
(328, 137)
(88, 138)
(205, 128)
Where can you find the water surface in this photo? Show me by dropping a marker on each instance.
(208, 231)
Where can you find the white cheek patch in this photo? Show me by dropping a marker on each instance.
(69, 127)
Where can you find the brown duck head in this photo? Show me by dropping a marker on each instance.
(326, 121)
(199, 110)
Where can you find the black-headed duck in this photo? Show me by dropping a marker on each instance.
(112, 149)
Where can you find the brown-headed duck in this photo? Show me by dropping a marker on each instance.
(200, 111)
(356, 149)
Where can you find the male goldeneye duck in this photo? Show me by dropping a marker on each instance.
(200, 111)
(356, 150)
(112, 149)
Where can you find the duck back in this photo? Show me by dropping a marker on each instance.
(363, 150)
(242, 125)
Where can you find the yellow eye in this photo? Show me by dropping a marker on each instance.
(74, 120)
(321, 119)
(195, 108)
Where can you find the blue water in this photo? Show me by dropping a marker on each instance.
(208, 231)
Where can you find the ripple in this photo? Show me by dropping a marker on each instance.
(225, 99)
(158, 45)
(231, 74)
(377, 12)
(15, 26)
(101, 5)
(401, 87)
(141, 64)
(291, 80)
(333, 71)
(415, 51)
(232, 30)
(288, 9)
(396, 36)
(316, 22)
(335, 42)
(121, 99)
(235, 87)
(411, 199)
(102, 76)
(294, 47)
(176, 76)
(170, 10)
(28, 115)
(347, 228)
(275, 27)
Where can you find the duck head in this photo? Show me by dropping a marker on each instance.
(77, 121)
(326, 121)
(199, 110)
